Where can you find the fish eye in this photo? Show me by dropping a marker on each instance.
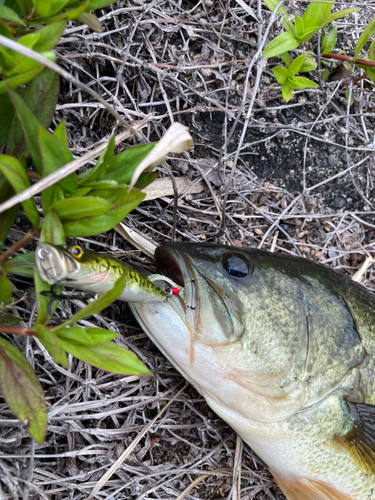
(236, 267)
(76, 252)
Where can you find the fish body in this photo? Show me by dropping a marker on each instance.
(283, 350)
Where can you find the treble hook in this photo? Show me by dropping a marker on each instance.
(62, 296)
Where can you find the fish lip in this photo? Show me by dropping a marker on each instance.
(54, 264)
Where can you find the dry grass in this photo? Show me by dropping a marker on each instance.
(196, 62)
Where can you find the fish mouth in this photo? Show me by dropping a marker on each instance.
(167, 265)
(176, 265)
(54, 265)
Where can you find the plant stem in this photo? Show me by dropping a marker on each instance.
(341, 57)
(19, 244)
(16, 330)
(34, 175)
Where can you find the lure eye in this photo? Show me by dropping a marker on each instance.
(236, 267)
(76, 251)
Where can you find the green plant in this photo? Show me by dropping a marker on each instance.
(315, 18)
(287, 76)
(86, 204)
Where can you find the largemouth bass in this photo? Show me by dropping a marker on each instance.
(283, 350)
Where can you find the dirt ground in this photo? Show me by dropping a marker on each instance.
(293, 177)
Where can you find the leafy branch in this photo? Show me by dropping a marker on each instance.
(299, 33)
(73, 204)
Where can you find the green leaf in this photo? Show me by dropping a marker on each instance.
(146, 179)
(325, 74)
(21, 64)
(67, 15)
(370, 72)
(51, 195)
(80, 208)
(286, 92)
(100, 303)
(52, 231)
(91, 20)
(329, 41)
(310, 64)
(280, 74)
(42, 300)
(99, 4)
(298, 82)
(316, 13)
(29, 127)
(10, 15)
(8, 217)
(52, 343)
(5, 290)
(60, 132)
(297, 64)
(286, 58)
(58, 5)
(371, 51)
(42, 7)
(100, 335)
(79, 192)
(6, 31)
(101, 185)
(272, 5)
(123, 165)
(122, 202)
(17, 177)
(364, 38)
(107, 356)
(101, 166)
(6, 113)
(22, 391)
(337, 15)
(22, 264)
(85, 336)
(24, 6)
(282, 43)
(9, 320)
(298, 23)
(15, 81)
(56, 154)
(43, 88)
(49, 36)
(75, 335)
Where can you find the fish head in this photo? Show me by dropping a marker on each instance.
(252, 330)
(67, 264)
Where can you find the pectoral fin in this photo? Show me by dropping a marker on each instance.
(303, 489)
(360, 440)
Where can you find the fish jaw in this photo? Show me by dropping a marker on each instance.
(204, 368)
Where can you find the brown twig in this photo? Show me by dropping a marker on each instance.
(341, 57)
(33, 175)
(16, 330)
(19, 244)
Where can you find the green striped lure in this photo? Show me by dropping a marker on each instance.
(74, 266)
